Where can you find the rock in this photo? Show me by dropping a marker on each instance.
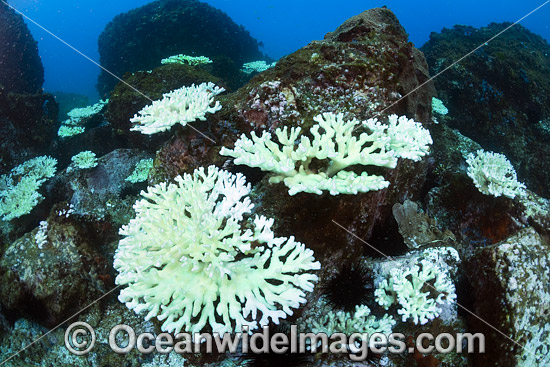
(455, 203)
(183, 153)
(360, 76)
(51, 350)
(28, 125)
(27, 116)
(417, 228)
(498, 96)
(511, 286)
(53, 271)
(477, 219)
(536, 212)
(100, 193)
(66, 262)
(141, 38)
(22, 70)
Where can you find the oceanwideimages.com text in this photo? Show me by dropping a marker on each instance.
(80, 339)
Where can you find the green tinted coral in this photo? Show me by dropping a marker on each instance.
(141, 171)
(19, 188)
(85, 159)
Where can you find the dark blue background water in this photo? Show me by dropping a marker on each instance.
(283, 26)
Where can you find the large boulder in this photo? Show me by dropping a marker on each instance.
(141, 38)
(22, 70)
(65, 262)
(456, 203)
(27, 116)
(100, 193)
(499, 95)
(52, 271)
(511, 286)
(361, 69)
(28, 126)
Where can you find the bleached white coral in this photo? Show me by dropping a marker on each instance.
(66, 131)
(19, 189)
(84, 160)
(41, 236)
(438, 107)
(41, 168)
(335, 146)
(179, 106)
(77, 114)
(419, 291)
(192, 257)
(407, 138)
(493, 174)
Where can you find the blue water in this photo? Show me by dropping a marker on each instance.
(283, 26)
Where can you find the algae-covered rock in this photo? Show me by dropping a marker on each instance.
(141, 38)
(53, 270)
(27, 116)
(96, 192)
(28, 126)
(51, 350)
(498, 96)
(361, 69)
(455, 203)
(22, 70)
(511, 286)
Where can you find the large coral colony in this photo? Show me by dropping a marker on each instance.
(310, 205)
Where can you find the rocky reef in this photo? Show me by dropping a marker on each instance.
(498, 96)
(430, 228)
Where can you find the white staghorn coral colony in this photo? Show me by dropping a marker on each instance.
(419, 292)
(179, 106)
(291, 156)
(187, 259)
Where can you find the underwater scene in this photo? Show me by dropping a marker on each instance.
(238, 184)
